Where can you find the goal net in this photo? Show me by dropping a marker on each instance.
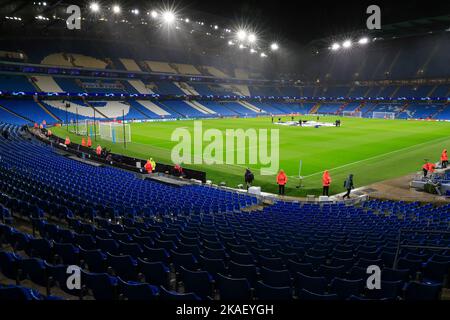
(85, 128)
(355, 114)
(383, 115)
(115, 132)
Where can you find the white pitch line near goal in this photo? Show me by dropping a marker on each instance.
(374, 157)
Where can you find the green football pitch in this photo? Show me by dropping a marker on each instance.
(373, 150)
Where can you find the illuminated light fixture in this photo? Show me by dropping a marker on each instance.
(116, 9)
(187, 20)
(154, 14)
(230, 43)
(94, 7)
(241, 35)
(252, 38)
(363, 40)
(252, 51)
(168, 17)
(263, 55)
(135, 11)
(216, 27)
(274, 47)
(241, 46)
(347, 44)
(335, 46)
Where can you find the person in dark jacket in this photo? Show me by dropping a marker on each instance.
(348, 185)
(249, 177)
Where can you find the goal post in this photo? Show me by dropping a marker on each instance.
(115, 132)
(85, 128)
(354, 114)
(383, 115)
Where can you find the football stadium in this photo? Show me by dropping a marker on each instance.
(191, 152)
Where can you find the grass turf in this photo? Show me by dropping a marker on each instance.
(373, 150)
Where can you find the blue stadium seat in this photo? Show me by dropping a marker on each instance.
(198, 282)
(345, 288)
(422, 291)
(269, 293)
(306, 295)
(137, 291)
(233, 289)
(155, 273)
(172, 295)
(317, 285)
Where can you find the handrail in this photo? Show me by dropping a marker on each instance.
(399, 245)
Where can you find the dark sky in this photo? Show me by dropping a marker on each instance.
(303, 21)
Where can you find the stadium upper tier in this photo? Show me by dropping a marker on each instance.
(415, 57)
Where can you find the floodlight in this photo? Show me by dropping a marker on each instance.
(154, 14)
(216, 27)
(230, 43)
(335, 46)
(347, 44)
(168, 17)
(94, 7)
(274, 46)
(252, 50)
(135, 11)
(363, 40)
(187, 20)
(263, 55)
(242, 35)
(241, 46)
(252, 38)
(116, 9)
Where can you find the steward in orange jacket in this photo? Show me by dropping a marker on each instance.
(99, 150)
(444, 159)
(67, 142)
(89, 142)
(326, 182)
(428, 167)
(83, 142)
(282, 179)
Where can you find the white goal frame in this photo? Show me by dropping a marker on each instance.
(383, 115)
(114, 132)
(354, 114)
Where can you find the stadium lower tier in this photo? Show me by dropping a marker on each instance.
(22, 111)
(140, 240)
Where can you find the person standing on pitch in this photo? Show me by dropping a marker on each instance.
(444, 159)
(249, 177)
(281, 181)
(326, 182)
(348, 185)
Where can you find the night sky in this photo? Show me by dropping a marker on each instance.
(303, 21)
